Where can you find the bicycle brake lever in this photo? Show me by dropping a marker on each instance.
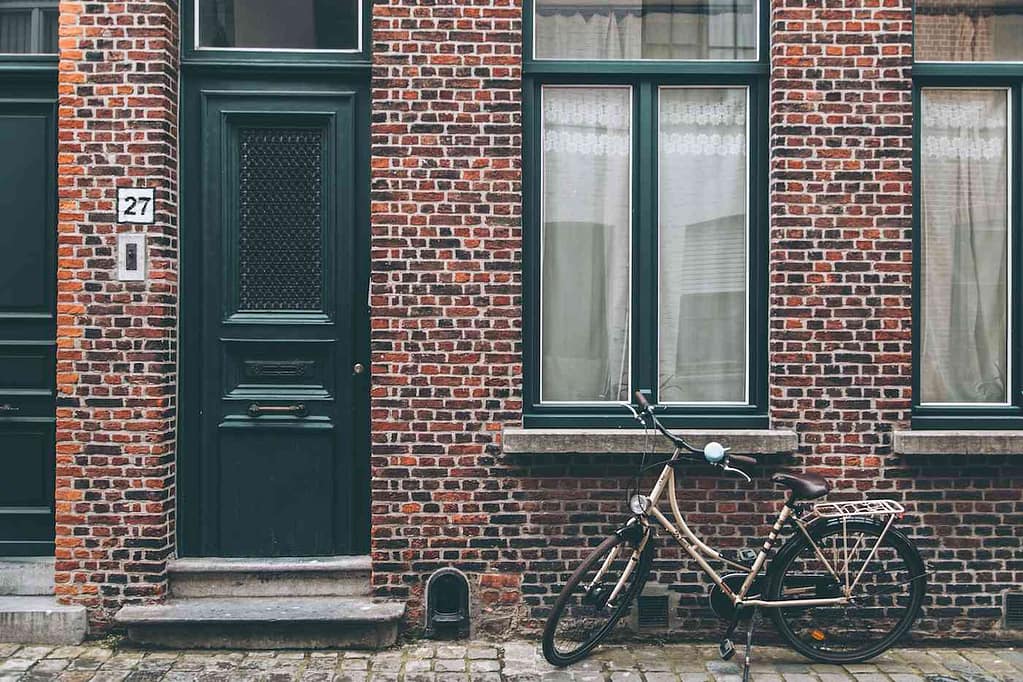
(635, 413)
(742, 473)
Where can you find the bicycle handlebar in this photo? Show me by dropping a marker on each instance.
(646, 410)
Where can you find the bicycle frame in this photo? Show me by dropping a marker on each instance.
(700, 551)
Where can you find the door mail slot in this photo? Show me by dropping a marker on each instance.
(269, 369)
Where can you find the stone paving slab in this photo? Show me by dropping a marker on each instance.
(517, 661)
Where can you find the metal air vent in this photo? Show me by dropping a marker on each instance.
(1013, 608)
(653, 612)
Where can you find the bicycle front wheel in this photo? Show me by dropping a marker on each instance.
(587, 610)
(887, 579)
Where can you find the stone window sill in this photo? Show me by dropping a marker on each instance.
(957, 442)
(519, 441)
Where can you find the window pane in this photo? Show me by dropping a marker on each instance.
(271, 24)
(585, 292)
(15, 31)
(646, 29)
(965, 241)
(50, 20)
(703, 179)
(973, 31)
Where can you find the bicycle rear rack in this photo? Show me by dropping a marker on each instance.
(835, 510)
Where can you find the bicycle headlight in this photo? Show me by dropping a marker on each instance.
(639, 504)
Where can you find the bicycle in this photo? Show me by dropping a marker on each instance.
(823, 600)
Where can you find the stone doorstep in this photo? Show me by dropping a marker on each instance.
(214, 577)
(265, 622)
(26, 576)
(41, 620)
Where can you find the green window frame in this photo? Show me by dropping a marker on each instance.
(646, 80)
(941, 78)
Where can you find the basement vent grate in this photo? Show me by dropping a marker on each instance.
(653, 612)
(1014, 610)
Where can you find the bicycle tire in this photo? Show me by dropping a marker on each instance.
(639, 578)
(894, 543)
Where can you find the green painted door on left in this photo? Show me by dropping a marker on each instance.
(27, 325)
(276, 362)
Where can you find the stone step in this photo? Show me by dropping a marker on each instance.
(265, 623)
(341, 576)
(41, 620)
(26, 576)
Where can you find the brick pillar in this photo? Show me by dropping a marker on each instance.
(116, 341)
(841, 251)
(446, 282)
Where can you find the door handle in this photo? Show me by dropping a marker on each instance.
(358, 368)
(7, 408)
(297, 410)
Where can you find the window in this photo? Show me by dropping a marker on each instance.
(275, 25)
(969, 31)
(967, 184)
(28, 27)
(646, 29)
(645, 259)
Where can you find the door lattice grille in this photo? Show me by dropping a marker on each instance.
(280, 245)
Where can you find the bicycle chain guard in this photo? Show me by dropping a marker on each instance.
(722, 605)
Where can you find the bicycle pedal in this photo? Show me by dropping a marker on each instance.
(726, 649)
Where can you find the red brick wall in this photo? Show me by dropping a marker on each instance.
(445, 285)
(117, 126)
(446, 307)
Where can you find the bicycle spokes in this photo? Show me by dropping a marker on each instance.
(595, 599)
(870, 571)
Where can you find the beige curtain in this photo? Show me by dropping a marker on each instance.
(702, 153)
(969, 30)
(634, 29)
(585, 285)
(965, 224)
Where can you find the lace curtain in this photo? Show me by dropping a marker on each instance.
(964, 212)
(702, 207)
(586, 280)
(585, 290)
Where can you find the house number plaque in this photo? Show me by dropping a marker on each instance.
(135, 205)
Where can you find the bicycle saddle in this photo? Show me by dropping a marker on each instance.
(804, 486)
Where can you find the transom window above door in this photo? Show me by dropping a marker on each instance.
(28, 26)
(297, 25)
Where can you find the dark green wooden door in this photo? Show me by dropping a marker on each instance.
(27, 327)
(276, 368)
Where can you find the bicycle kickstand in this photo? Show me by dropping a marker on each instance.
(749, 644)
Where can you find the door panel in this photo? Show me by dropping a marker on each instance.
(275, 431)
(290, 470)
(27, 326)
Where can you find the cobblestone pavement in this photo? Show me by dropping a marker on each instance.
(490, 662)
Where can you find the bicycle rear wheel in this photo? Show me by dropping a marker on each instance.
(886, 598)
(584, 613)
